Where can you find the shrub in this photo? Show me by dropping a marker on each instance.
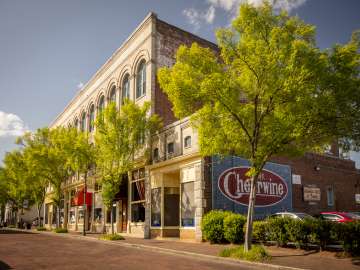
(61, 230)
(319, 231)
(350, 237)
(233, 227)
(212, 226)
(277, 230)
(296, 231)
(40, 228)
(257, 253)
(111, 237)
(259, 231)
(11, 226)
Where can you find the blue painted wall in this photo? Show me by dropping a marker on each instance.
(220, 201)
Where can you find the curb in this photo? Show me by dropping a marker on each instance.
(199, 256)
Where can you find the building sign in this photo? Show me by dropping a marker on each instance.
(270, 187)
(312, 194)
(231, 187)
(296, 179)
(357, 198)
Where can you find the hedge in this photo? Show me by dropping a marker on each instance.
(223, 226)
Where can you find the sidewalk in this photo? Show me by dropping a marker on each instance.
(287, 257)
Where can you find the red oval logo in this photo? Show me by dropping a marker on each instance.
(235, 185)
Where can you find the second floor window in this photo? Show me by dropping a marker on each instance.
(83, 122)
(187, 142)
(91, 118)
(125, 94)
(156, 154)
(170, 148)
(141, 79)
(112, 96)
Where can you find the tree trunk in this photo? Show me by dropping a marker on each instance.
(250, 215)
(58, 217)
(112, 219)
(39, 215)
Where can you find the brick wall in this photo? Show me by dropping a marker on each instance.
(168, 40)
(324, 171)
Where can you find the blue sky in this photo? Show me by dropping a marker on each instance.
(49, 48)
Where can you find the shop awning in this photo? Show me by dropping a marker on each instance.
(79, 198)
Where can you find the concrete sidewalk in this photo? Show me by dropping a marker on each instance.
(282, 258)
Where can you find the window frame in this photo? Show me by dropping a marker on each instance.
(137, 202)
(187, 141)
(140, 90)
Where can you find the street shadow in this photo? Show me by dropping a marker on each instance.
(4, 266)
(5, 231)
(296, 255)
(356, 261)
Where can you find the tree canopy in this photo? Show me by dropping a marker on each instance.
(268, 91)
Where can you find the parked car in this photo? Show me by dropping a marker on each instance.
(337, 216)
(294, 215)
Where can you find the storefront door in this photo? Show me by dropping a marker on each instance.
(124, 215)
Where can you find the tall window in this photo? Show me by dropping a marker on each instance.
(141, 79)
(83, 121)
(125, 94)
(101, 104)
(138, 195)
(91, 118)
(76, 123)
(330, 196)
(112, 96)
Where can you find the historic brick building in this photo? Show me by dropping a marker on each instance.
(169, 196)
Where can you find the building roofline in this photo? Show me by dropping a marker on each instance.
(103, 67)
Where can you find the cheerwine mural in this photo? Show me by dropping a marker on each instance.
(231, 186)
(235, 184)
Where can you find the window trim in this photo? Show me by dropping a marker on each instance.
(187, 139)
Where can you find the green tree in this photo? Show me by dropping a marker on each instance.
(82, 159)
(3, 193)
(268, 91)
(17, 176)
(119, 138)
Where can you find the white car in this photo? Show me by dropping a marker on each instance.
(294, 215)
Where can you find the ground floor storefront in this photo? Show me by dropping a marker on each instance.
(169, 198)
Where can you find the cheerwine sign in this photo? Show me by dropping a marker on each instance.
(235, 185)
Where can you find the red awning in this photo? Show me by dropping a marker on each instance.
(79, 198)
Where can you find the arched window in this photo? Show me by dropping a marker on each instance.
(112, 96)
(141, 79)
(91, 118)
(101, 104)
(83, 121)
(156, 154)
(76, 123)
(125, 94)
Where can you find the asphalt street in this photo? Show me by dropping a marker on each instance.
(38, 251)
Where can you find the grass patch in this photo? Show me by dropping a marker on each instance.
(40, 229)
(256, 254)
(60, 230)
(111, 237)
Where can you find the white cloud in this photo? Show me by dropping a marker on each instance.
(11, 125)
(80, 85)
(197, 18)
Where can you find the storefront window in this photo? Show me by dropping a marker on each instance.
(80, 216)
(138, 196)
(72, 216)
(171, 206)
(187, 204)
(108, 215)
(156, 207)
(98, 215)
